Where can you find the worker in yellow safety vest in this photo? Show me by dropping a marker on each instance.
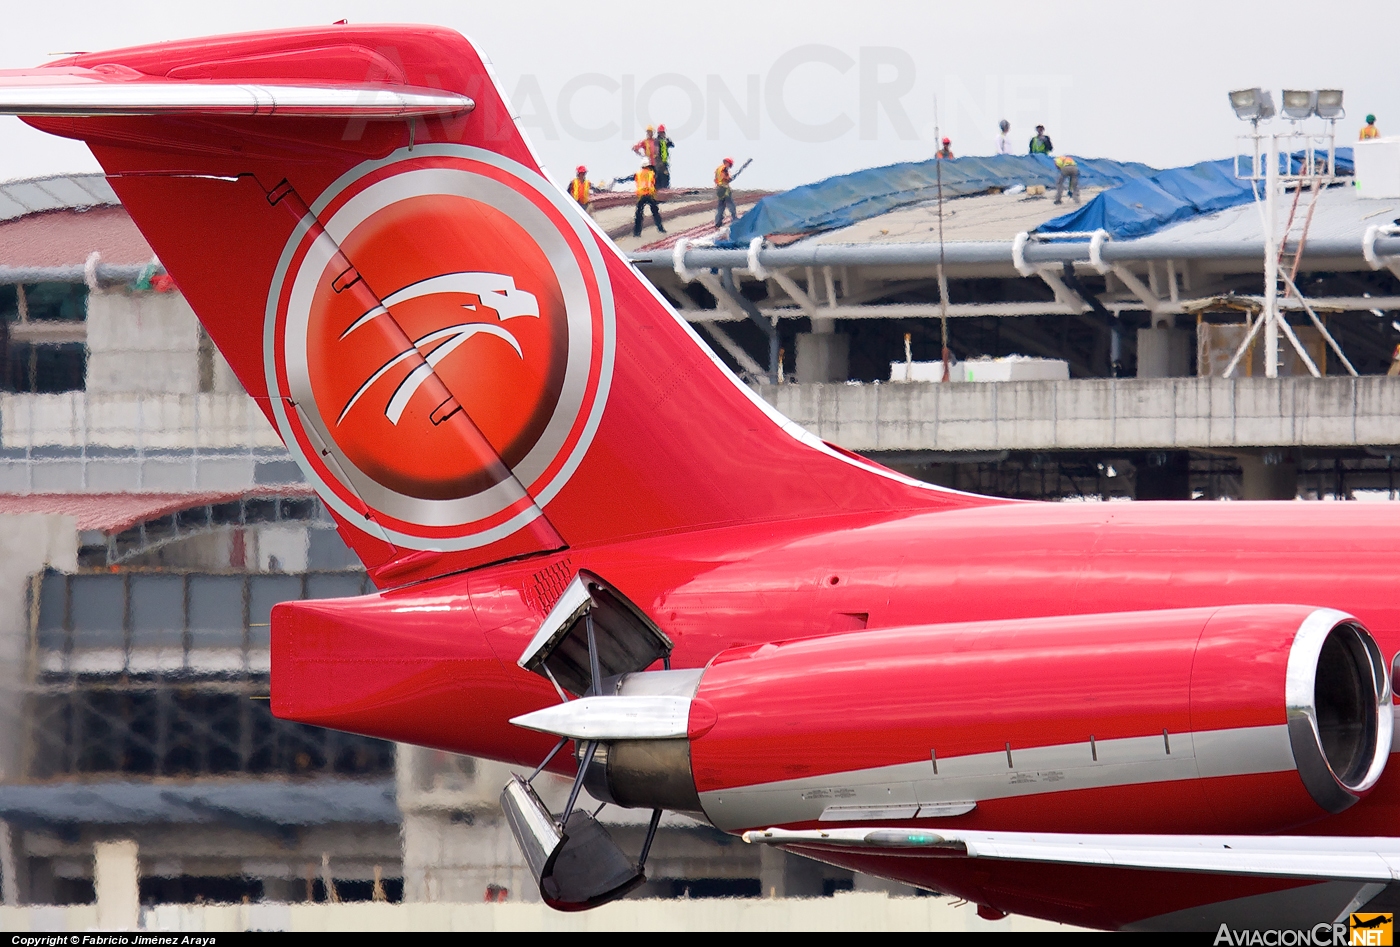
(645, 181)
(580, 190)
(1369, 130)
(663, 157)
(1069, 173)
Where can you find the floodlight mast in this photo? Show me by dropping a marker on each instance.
(1256, 105)
(1271, 312)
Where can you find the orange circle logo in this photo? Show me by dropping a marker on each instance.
(442, 335)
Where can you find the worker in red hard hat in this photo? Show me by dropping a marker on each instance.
(580, 190)
(663, 157)
(724, 193)
(947, 150)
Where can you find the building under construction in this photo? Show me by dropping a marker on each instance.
(946, 319)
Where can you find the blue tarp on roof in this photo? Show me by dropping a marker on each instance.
(1147, 205)
(845, 199)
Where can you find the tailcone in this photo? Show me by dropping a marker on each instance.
(417, 671)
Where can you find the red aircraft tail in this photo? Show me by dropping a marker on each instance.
(464, 366)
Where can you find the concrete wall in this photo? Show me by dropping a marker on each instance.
(151, 342)
(142, 342)
(76, 419)
(1080, 414)
(855, 912)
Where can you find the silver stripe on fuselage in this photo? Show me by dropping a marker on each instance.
(981, 776)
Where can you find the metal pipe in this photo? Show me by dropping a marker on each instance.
(999, 253)
(75, 273)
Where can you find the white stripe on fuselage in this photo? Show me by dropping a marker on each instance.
(1031, 771)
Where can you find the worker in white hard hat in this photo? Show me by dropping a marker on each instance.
(647, 147)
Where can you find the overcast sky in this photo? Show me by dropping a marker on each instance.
(817, 88)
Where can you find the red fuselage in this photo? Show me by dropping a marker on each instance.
(435, 663)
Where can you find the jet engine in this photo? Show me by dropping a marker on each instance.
(1238, 719)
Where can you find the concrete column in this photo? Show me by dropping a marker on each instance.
(9, 875)
(1164, 475)
(1163, 352)
(772, 872)
(116, 876)
(284, 889)
(823, 356)
(28, 543)
(1269, 476)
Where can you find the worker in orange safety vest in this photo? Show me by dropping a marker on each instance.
(724, 193)
(580, 190)
(1369, 130)
(1069, 172)
(647, 147)
(645, 181)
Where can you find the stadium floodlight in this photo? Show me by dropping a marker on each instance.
(1329, 104)
(1252, 105)
(1299, 104)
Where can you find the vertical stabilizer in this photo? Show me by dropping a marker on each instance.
(466, 369)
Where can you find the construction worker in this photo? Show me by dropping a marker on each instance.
(1004, 139)
(1041, 144)
(580, 190)
(1069, 171)
(646, 148)
(724, 194)
(645, 180)
(1369, 130)
(946, 151)
(663, 157)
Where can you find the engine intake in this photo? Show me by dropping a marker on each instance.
(1339, 709)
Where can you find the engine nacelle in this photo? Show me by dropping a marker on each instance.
(1240, 719)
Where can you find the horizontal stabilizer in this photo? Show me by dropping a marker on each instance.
(78, 96)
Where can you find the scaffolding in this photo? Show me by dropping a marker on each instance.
(167, 674)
